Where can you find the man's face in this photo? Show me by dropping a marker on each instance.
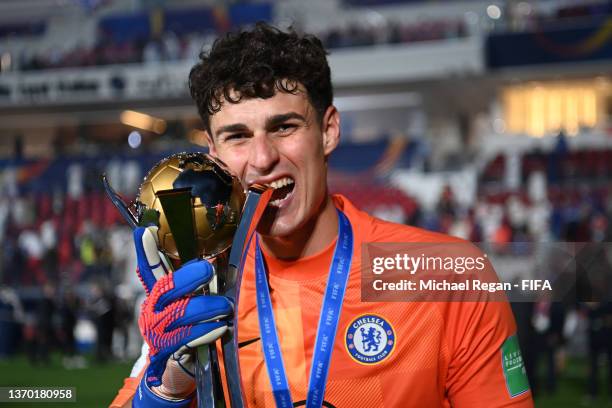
(278, 142)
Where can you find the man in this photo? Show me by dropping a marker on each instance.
(265, 97)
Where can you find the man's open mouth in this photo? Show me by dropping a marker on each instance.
(283, 189)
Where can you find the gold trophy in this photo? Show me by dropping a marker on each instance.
(201, 212)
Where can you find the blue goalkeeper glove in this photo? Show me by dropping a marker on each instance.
(174, 318)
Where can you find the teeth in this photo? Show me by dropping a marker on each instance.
(285, 181)
(277, 202)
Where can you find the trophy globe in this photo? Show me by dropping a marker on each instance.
(211, 205)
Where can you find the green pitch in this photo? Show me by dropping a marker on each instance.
(571, 392)
(96, 385)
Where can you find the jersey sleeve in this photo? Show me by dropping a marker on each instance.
(485, 369)
(124, 396)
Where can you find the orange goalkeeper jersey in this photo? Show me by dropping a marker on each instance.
(419, 354)
(441, 354)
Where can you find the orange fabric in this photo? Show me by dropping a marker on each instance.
(445, 354)
(126, 393)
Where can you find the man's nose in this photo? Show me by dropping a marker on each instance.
(264, 154)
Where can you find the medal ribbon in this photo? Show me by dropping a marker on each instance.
(326, 330)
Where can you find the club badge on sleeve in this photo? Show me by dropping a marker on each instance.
(369, 339)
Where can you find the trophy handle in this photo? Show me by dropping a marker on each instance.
(256, 202)
(208, 376)
(118, 202)
(205, 375)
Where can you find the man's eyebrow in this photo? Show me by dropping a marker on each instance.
(283, 117)
(234, 127)
(270, 122)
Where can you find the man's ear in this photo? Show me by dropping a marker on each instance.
(211, 144)
(331, 130)
(201, 138)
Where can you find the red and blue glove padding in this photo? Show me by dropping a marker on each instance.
(174, 318)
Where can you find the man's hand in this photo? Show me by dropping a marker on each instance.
(173, 318)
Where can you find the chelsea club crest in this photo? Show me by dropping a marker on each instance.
(369, 339)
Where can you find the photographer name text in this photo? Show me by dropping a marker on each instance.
(474, 285)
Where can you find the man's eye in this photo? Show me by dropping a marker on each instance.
(285, 127)
(234, 136)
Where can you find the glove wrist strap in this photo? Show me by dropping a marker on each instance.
(145, 398)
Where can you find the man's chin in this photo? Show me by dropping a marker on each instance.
(272, 225)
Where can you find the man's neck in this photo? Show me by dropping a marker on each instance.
(312, 238)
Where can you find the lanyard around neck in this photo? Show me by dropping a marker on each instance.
(326, 330)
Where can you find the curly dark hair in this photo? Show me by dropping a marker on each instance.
(257, 64)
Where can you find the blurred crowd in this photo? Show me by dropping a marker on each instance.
(73, 322)
(167, 47)
(64, 265)
(393, 32)
(172, 47)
